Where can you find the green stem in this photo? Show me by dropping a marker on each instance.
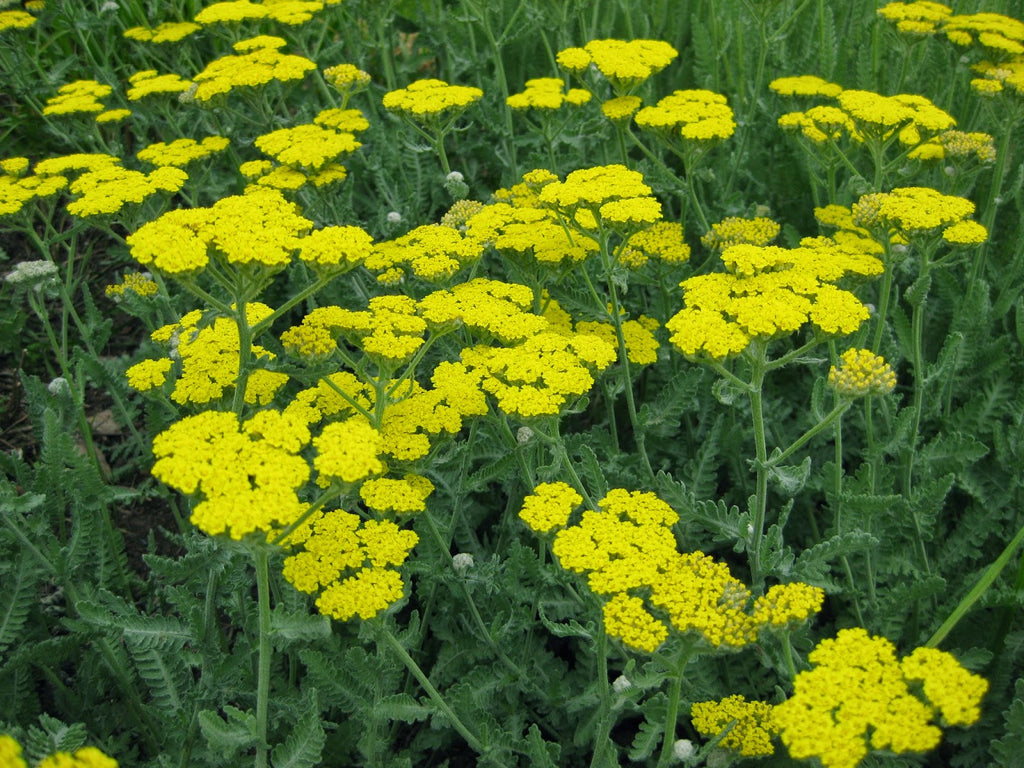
(474, 742)
(265, 653)
(672, 715)
(840, 408)
(756, 385)
(837, 491)
(602, 734)
(986, 580)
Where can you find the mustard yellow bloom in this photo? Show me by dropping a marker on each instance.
(431, 98)
(862, 373)
(752, 724)
(549, 506)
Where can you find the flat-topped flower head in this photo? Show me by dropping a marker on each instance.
(547, 94)
(624, 63)
(859, 698)
(699, 116)
(181, 152)
(752, 725)
(805, 86)
(167, 32)
(149, 82)
(919, 212)
(431, 98)
(246, 474)
(308, 146)
(258, 63)
(76, 97)
(918, 18)
(549, 506)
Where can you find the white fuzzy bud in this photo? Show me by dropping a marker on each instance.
(621, 683)
(462, 562)
(455, 177)
(32, 273)
(394, 217)
(59, 387)
(524, 435)
(683, 749)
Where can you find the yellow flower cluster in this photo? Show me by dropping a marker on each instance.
(998, 36)
(336, 543)
(347, 78)
(134, 282)
(291, 12)
(752, 724)
(861, 373)
(16, 190)
(770, 291)
(549, 506)
(405, 496)
(348, 451)
(697, 116)
(149, 81)
(863, 115)
(920, 212)
(460, 213)
(736, 230)
(16, 20)
(247, 472)
(85, 757)
(257, 228)
(432, 252)
(610, 195)
(538, 376)
(78, 96)
(336, 249)
(181, 152)
(521, 230)
(663, 240)
(956, 145)
(547, 94)
(168, 32)
(627, 551)
(860, 697)
(916, 18)
(148, 374)
(624, 63)
(621, 108)
(388, 331)
(641, 344)
(209, 360)
(308, 146)
(430, 98)
(257, 63)
(489, 307)
(805, 85)
(108, 190)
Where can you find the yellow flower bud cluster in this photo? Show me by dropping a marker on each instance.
(627, 551)
(860, 697)
(735, 230)
(603, 196)
(134, 282)
(861, 373)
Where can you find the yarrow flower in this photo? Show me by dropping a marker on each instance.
(624, 63)
(736, 230)
(860, 697)
(78, 96)
(752, 724)
(351, 563)
(547, 94)
(915, 212)
(429, 99)
(257, 63)
(699, 117)
(134, 282)
(862, 373)
(627, 551)
(181, 152)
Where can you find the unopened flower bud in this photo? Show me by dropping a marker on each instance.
(524, 435)
(621, 683)
(462, 562)
(683, 749)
